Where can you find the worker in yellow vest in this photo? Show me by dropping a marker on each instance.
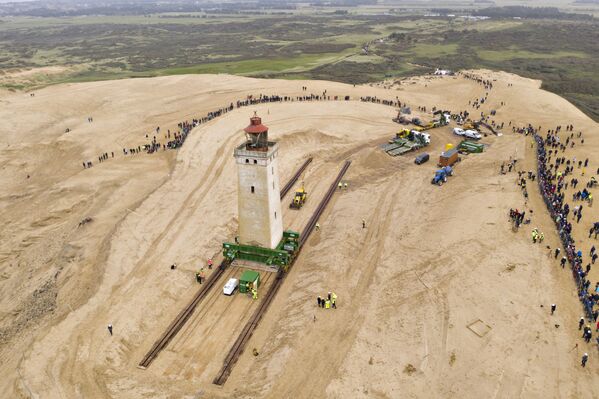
(334, 300)
(327, 304)
(254, 293)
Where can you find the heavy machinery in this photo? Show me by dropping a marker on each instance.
(413, 141)
(281, 256)
(402, 134)
(441, 175)
(468, 125)
(299, 198)
(443, 120)
(401, 118)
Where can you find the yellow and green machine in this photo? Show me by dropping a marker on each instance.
(281, 256)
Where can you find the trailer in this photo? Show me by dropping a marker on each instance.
(449, 157)
(402, 145)
(470, 147)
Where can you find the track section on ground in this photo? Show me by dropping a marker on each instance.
(245, 335)
(186, 313)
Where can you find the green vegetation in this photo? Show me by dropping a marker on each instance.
(512, 54)
(311, 43)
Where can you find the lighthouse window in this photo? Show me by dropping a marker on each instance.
(275, 215)
(273, 170)
(253, 190)
(255, 161)
(247, 161)
(273, 185)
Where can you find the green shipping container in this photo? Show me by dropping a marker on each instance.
(251, 278)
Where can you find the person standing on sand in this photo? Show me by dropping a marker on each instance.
(585, 358)
(553, 307)
(110, 329)
(580, 323)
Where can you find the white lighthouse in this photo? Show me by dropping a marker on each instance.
(259, 201)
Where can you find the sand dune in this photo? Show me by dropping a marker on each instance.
(438, 297)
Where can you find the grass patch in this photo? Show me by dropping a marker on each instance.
(511, 54)
(257, 66)
(433, 50)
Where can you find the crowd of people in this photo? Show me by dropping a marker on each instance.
(552, 183)
(174, 140)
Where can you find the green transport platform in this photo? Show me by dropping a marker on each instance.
(281, 256)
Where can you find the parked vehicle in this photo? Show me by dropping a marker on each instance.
(472, 134)
(458, 131)
(441, 175)
(449, 157)
(422, 158)
(230, 287)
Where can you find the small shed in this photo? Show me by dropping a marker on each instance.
(449, 157)
(249, 279)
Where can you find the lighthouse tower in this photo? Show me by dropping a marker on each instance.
(259, 201)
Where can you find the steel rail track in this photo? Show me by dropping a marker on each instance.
(245, 335)
(186, 313)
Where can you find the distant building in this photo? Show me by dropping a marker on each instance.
(443, 72)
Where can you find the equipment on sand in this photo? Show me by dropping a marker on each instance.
(422, 158)
(449, 157)
(469, 147)
(281, 256)
(441, 175)
(413, 141)
(299, 198)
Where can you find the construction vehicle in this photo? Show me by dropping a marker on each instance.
(413, 141)
(402, 134)
(441, 175)
(443, 120)
(298, 199)
(401, 118)
(468, 125)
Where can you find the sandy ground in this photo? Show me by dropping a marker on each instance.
(438, 297)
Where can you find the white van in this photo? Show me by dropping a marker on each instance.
(472, 134)
(458, 131)
(229, 288)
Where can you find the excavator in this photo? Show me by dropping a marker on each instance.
(299, 198)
